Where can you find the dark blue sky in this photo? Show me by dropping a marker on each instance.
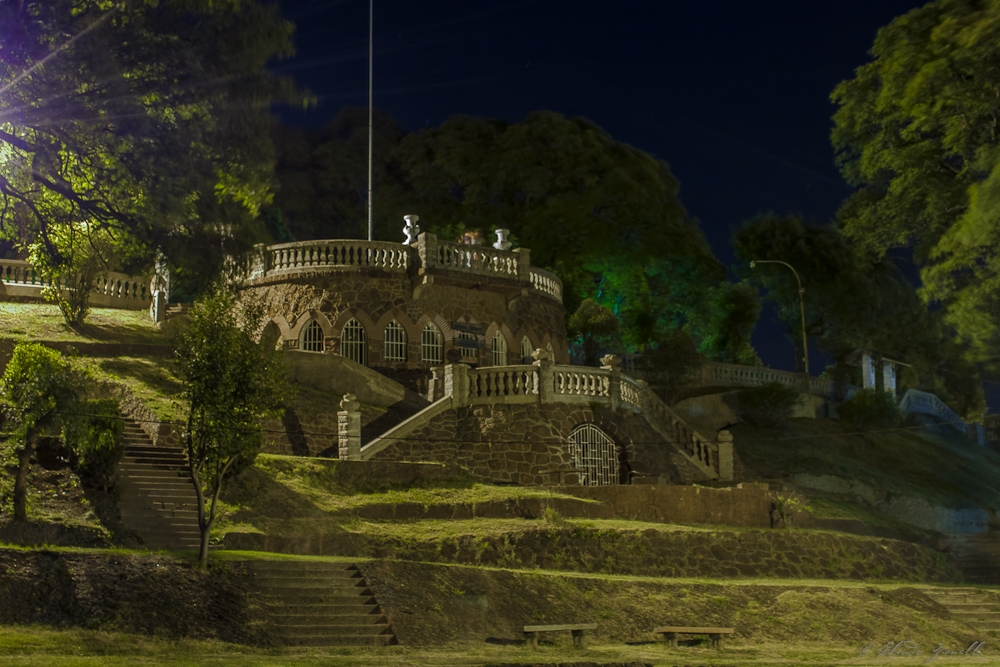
(733, 95)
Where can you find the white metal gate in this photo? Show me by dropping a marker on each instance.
(594, 454)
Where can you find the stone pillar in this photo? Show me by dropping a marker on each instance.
(349, 429)
(613, 364)
(867, 370)
(426, 246)
(724, 455)
(456, 383)
(435, 386)
(889, 377)
(523, 263)
(159, 303)
(546, 378)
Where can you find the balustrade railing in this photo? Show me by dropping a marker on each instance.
(314, 255)
(545, 282)
(581, 381)
(631, 393)
(429, 253)
(500, 383)
(477, 259)
(114, 290)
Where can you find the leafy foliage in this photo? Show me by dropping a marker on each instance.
(768, 406)
(96, 439)
(916, 131)
(145, 119)
(34, 387)
(230, 383)
(670, 364)
(869, 409)
(595, 327)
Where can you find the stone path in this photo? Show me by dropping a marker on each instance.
(157, 500)
(316, 603)
(978, 609)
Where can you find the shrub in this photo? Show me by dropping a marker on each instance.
(869, 409)
(769, 406)
(95, 437)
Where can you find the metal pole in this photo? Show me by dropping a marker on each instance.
(802, 309)
(371, 20)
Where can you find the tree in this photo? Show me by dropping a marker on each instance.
(35, 387)
(604, 215)
(670, 365)
(595, 327)
(917, 131)
(230, 384)
(148, 120)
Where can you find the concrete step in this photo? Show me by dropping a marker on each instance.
(340, 640)
(331, 629)
(335, 617)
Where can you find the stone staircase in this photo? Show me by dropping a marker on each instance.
(978, 609)
(978, 556)
(316, 603)
(157, 500)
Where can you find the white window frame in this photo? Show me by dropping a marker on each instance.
(526, 351)
(499, 349)
(311, 338)
(431, 345)
(354, 342)
(394, 342)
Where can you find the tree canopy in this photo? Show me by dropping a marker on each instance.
(605, 216)
(145, 119)
(230, 383)
(854, 301)
(917, 131)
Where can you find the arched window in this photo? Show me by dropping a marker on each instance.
(594, 454)
(499, 349)
(311, 338)
(395, 342)
(431, 345)
(526, 351)
(354, 342)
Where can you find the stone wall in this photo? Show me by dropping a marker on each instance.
(376, 297)
(526, 443)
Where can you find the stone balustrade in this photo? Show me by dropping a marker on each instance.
(508, 384)
(428, 254)
(546, 283)
(476, 259)
(926, 403)
(111, 290)
(581, 381)
(309, 256)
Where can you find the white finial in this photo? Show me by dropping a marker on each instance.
(502, 242)
(412, 229)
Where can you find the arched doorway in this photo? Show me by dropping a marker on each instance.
(595, 455)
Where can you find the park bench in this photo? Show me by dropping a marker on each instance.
(578, 629)
(670, 633)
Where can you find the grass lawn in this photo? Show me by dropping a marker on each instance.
(39, 321)
(32, 646)
(151, 379)
(950, 471)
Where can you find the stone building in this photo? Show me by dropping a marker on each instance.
(469, 348)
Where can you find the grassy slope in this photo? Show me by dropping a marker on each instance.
(950, 471)
(35, 321)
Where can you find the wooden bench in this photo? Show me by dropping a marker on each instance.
(670, 633)
(578, 630)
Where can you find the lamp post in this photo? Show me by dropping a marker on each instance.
(802, 310)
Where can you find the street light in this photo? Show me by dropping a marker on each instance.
(802, 310)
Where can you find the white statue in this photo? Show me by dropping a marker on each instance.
(502, 242)
(412, 229)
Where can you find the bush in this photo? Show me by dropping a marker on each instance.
(95, 438)
(769, 406)
(869, 409)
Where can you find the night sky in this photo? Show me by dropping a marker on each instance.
(734, 96)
